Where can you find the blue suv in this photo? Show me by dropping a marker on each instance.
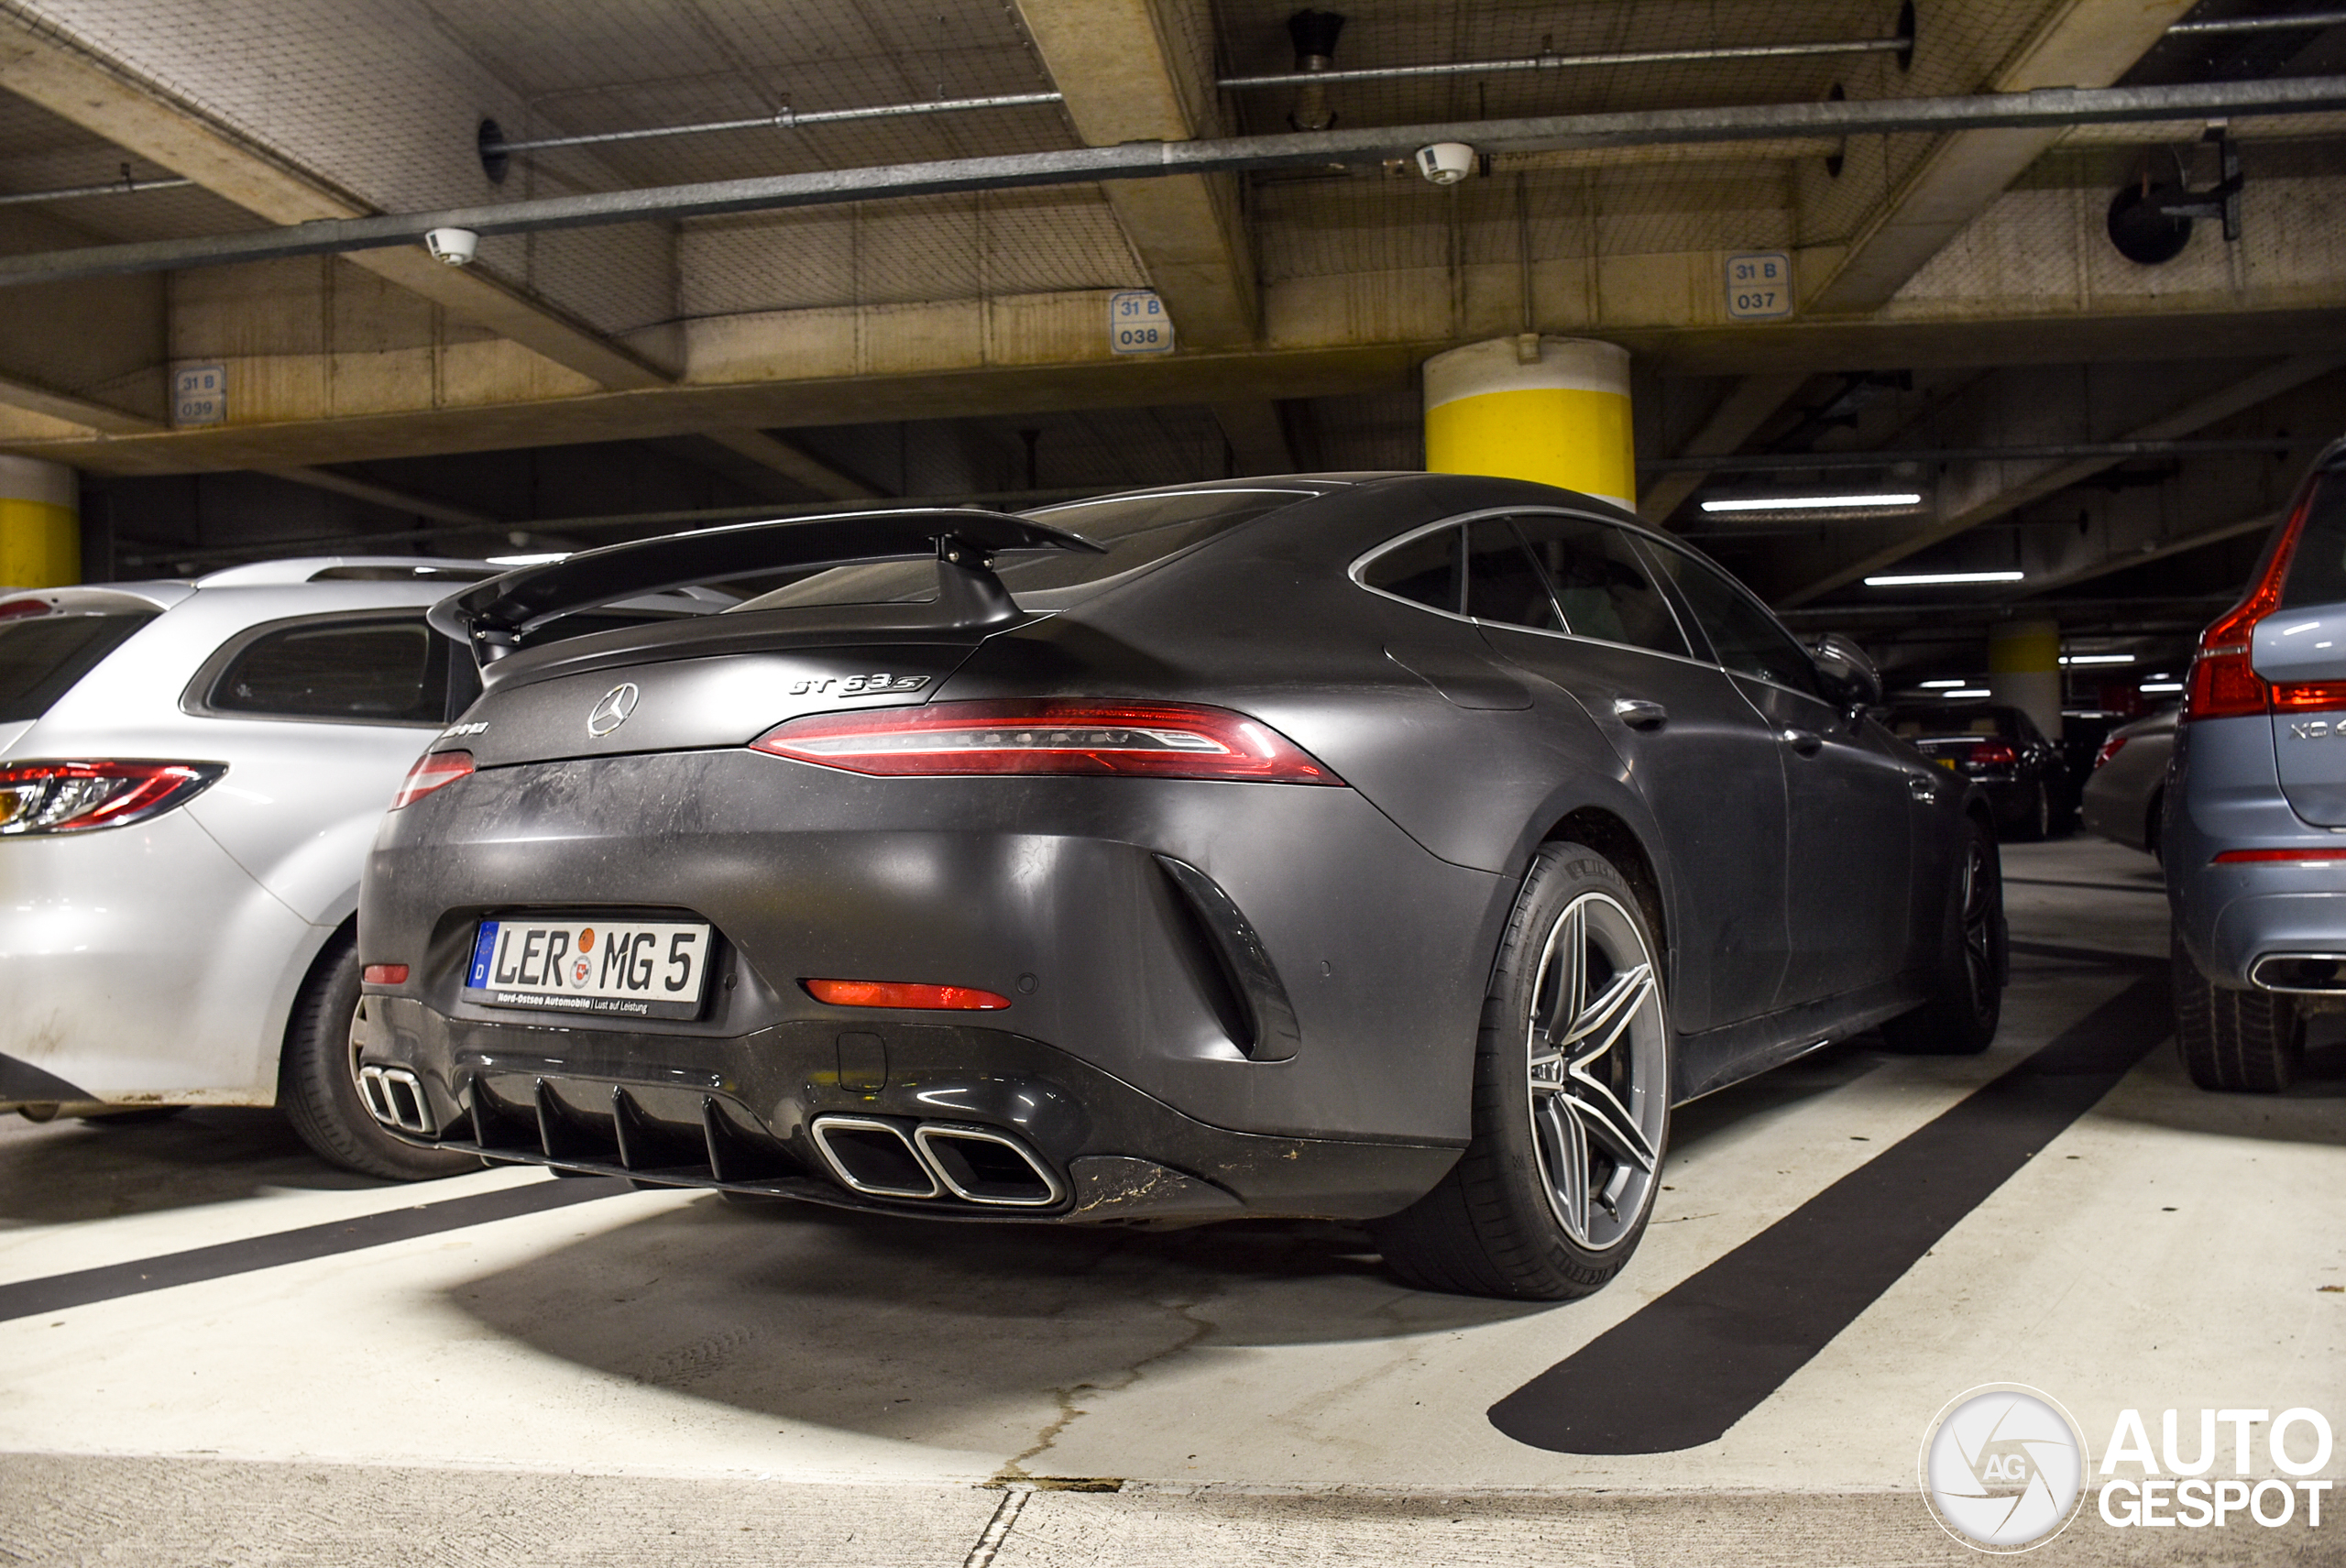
(2256, 835)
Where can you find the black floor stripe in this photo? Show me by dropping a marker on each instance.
(56, 1292)
(2142, 962)
(1696, 1360)
(2159, 892)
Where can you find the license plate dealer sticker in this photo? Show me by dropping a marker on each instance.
(632, 969)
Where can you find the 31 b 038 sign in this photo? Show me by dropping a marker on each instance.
(1137, 322)
(637, 968)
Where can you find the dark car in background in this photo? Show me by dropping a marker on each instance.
(1999, 747)
(2126, 794)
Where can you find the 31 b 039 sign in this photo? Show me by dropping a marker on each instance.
(1759, 284)
(1137, 322)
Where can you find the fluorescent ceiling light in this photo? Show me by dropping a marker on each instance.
(2162, 685)
(541, 558)
(2097, 658)
(1920, 579)
(1972, 691)
(1814, 503)
(1939, 686)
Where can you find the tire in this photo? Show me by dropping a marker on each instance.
(2235, 1041)
(1552, 1195)
(1966, 997)
(317, 1081)
(2036, 824)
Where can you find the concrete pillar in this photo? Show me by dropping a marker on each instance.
(1554, 410)
(2024, 670)
(40, 524)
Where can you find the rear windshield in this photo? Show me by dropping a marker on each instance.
(2317, 571)
(1138, 531)
(42, 655)
(1936, 723)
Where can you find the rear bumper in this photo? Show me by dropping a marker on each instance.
(2224, 794)
(739, 1113)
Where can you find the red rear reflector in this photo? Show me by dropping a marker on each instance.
(385, 974)
(1149, 740)
(433, 770)
(18, 609)
(2244, 857)
(2110, 749)
(900, 993)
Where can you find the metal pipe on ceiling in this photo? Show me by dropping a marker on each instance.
(112, 188)
(2039, 108)
(1773, 462)
(787, 120)
(2259, 24)
(1571, 61)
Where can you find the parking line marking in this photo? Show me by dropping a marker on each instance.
(83, 1286)
(1695, 1360)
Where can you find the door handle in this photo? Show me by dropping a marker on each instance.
(1802, 740)
(1922, 788)
(1639, 714)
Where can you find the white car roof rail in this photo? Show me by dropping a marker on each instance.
(311, 568)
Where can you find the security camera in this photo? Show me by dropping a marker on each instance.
(1446, 162)
(456, 246)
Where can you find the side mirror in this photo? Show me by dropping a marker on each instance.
(1849, 677)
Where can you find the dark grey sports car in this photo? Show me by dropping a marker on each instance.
(1392, 848)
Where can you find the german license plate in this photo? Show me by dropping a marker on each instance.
(634, 969)
(1946, 762)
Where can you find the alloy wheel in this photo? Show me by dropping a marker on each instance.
(1599, 1071)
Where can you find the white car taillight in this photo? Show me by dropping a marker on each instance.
(433, 770)
(78, 797)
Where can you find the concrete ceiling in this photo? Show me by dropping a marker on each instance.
(1954, 291)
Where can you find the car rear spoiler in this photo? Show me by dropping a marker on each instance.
(491, 618)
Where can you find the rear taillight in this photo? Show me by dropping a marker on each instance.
(2110, 749)
(2224, 684)
(433, 770)
(904, 993)
(1149, 740)
(384, 974)
(75, 797)
(1992, 754)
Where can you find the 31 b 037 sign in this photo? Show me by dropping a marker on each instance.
(639, 969)
(1759, 284)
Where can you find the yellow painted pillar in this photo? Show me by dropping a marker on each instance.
(2024, 670)
(1554, 410)
(40, 524)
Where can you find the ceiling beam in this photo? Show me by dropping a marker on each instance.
(2046, 478)
(18, 393)
(793, 463)
(38, 64)
(383, 496)
(1748, 404)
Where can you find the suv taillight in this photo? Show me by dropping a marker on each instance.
(2224, 683)
(1063, 736)
(78, 797)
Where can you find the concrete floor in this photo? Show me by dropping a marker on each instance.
(644, 1375)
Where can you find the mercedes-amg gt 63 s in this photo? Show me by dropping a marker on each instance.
(1388, 848)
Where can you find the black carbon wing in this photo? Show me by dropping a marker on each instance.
(489, 616)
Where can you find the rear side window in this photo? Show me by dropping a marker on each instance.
(2318, 570)
(357, 671)
(1502, 585)
(1424, 571)
(42, 654)
(1744, 637)
(1604, 588)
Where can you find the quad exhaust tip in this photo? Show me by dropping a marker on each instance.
(395, 1097)
(974, 1164)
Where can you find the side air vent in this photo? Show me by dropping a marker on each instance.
(1242, 986)
(874, 1158)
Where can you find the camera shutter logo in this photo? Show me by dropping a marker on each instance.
(2003, 1468)
(612, 711)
